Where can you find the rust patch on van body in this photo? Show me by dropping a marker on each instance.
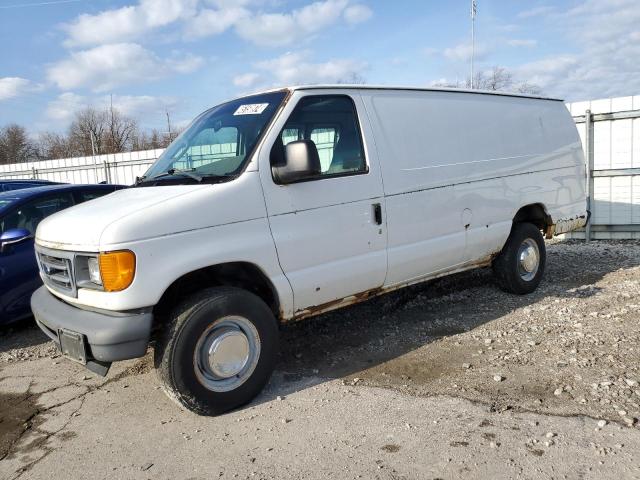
(374, 292)
(566, 225)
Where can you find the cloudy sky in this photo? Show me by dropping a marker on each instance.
(185, 55)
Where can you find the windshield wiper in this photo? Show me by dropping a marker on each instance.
(205, 177)
(175, 171)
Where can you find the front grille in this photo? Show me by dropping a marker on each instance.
(56, 269)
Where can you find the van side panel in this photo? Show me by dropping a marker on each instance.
(457, 167)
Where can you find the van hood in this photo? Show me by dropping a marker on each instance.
(82, 226)
(139, 214)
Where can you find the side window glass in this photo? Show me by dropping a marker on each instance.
(291, 134)
(31, 214)
(16, 186)
(331, 123)
(325, 140)
(91, 195)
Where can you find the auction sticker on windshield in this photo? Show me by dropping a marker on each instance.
(251, 109)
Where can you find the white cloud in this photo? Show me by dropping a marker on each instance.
(126, 23)
(295, 68)
(522, 42)
(279, 29)
(462, 52)
(108, 66)
(357, 14)
(545, 72)
(508, 27)
(63, 108)
(602, 42)
(213, 22)
(606, 64)
(537, 11)
(216, 16)
(11, 87)
(139, 106)
(246, 80)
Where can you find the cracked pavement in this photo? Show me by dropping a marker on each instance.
(451, 379)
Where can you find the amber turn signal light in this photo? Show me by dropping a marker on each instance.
(117, 269)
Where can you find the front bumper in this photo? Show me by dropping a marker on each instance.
(110, 336)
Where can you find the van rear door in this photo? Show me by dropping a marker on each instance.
(329, 230)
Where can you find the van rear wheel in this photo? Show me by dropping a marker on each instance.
(520, 265)
(218, 351)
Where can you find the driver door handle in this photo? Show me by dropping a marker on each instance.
(377, 213)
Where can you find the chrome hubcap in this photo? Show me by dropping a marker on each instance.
(226, 353)
(528, 259)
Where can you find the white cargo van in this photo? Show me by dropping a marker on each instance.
(293, 202)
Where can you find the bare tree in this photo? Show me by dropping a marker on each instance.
(54, 145)
(157, 140)
(446, 84)
(353, 78)
(89, 125)
(119, 131)
(530, 88)
(16, 146)
(498, 79)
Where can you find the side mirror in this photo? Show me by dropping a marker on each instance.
(301, 162)
(13, 237)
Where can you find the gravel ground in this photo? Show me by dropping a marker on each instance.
(450, 379)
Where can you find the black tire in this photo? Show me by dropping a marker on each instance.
(175, 359)
(509, 273)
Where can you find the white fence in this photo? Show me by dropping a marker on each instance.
(610, 132)
(609, 128)
(120, 168)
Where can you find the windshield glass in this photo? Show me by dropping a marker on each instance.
(218, 142)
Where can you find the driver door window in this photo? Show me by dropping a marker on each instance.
(330, 122)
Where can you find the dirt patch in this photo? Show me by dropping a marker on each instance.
(16, 413)
(570, 348)
(390, 448)
(459, 443)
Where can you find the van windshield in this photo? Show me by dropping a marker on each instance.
(218, 143)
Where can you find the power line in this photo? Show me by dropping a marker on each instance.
(39, 4)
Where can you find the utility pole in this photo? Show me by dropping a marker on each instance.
(474, 8)
(169, 125)
(93, 151)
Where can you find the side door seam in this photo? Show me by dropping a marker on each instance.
(384, 193)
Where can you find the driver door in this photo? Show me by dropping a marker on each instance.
(329, 230)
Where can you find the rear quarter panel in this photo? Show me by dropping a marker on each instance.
(458, 166)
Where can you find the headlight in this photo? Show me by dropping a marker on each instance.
(109, 271)
(94, 270)
(117, 269)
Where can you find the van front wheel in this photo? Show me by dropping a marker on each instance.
(219, 350)
(520, 265)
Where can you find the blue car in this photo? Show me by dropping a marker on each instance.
(20, 213)
(10, 185)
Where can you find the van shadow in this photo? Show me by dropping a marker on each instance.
(347, 341)
(21, 334)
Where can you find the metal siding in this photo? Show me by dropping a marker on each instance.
(616, 145)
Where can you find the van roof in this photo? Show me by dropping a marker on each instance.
(420, 89)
